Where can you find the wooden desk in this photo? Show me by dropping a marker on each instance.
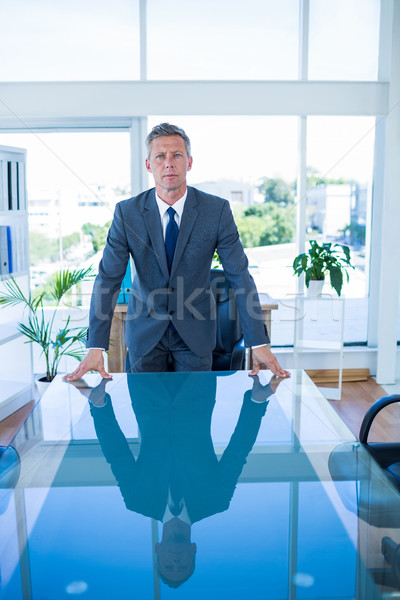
(117, 350)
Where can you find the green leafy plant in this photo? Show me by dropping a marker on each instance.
(67, 341)
(321, 259)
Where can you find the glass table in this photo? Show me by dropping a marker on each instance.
(193, 485)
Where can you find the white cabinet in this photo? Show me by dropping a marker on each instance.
(16, 381)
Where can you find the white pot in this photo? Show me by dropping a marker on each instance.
(315, 287)
(41, 384)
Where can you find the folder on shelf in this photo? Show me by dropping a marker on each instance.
(6, 265)
(3, 186)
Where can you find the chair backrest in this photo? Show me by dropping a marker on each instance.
(229, 352)
(387, 454)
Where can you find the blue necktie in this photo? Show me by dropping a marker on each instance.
(171, 235)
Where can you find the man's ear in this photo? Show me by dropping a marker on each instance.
(194, 548)
(190, 162)
(148, 165)
(157, 548)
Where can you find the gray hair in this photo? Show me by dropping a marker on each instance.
(166, 129)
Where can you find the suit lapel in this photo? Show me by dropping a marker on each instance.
(151, 216)
(189, 217)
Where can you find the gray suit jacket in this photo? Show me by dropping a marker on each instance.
(184, 296)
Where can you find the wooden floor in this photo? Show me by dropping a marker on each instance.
(356, 398)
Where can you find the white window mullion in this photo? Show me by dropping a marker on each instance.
(143, 39)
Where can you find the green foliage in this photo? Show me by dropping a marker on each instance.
(216, 262)
(54, 344)
(251, 230)
(326, 258)
(314, 178)
(98, 234)
(278, 191)
(356, 233)
(257, 210)
(42, 248)
(266, 224)
(71, 240)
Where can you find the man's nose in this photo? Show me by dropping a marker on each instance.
(169, 162)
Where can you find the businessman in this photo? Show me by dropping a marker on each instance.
(177, 478)
(171, 233)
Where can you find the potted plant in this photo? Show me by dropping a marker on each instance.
(67, 341)
(321, 259)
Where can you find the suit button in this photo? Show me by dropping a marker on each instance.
(171, 312)
(171, 290)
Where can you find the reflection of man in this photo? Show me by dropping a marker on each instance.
(171, 232)
(177, 477)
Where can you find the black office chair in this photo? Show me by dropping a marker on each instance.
(378, 504)
(230, 352)
(375, 501)
(387, 455)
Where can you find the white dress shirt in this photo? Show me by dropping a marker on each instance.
(178, 207)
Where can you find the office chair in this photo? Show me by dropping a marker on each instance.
(373, 500)
(387, 455)
(229, 352)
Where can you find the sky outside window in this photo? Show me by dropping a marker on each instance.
(344, 39)
(227, 39)
(47, 40)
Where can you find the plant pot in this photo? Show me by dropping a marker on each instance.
(315, 287)
(42, 384)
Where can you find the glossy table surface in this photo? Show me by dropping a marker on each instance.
(197, 485)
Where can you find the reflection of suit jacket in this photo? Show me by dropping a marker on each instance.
(184, 296)
(175, 435)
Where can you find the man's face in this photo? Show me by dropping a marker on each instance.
(176, 559)
(169, 164)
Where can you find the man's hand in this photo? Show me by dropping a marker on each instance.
(264, 359)
(93, 361)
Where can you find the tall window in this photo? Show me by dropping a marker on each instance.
(69, 41)
(227, 39)
(74, 180)
(344, 39)
(339, 180)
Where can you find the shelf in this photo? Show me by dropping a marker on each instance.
(16, 372)
(13, 395)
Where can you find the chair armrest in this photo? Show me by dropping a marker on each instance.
(372, 412)
(238, 356)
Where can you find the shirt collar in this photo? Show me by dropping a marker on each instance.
(178, 206)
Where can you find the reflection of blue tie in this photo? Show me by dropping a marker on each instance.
(171, 235)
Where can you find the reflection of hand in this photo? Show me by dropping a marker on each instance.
(274, 382)
(261, 393)
(98, 394)
(93, 361)
(95, 395)
(264, 359)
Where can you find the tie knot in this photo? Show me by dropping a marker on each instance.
(171, 213)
